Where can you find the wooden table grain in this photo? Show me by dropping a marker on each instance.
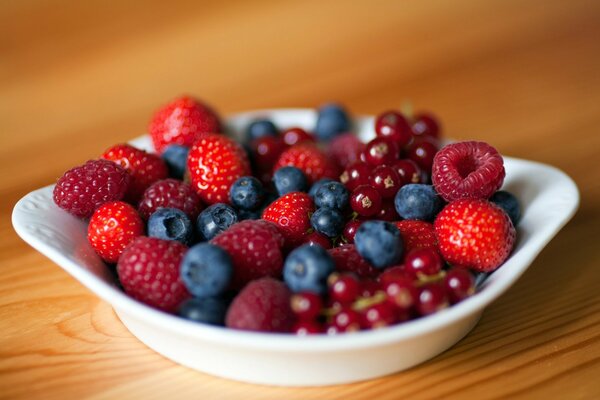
(76, 77)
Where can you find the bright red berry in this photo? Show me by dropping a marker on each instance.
(306, 305)
(182, 122)
(432, 298)
(112, 227)
(254, 250)
(400, 290)
(459, 284)
(474, 233)
(291, 213)
(304, 328)
(350, 230)
(345, 149)
(294, 136)
(370, 288)
(344, 287)
(365, 200)
(263, 305)
(467, 170)
(266, 151)
(309, 159)
(347, 259)
(355, 175)
(393, 125)
(417, 235)
(170, 193)
(316, 238)
(149, 272)
(345, 320)
(81, 190)
(381, 151)
(145, 168)
(425, 124)
(386, 180)
(421, 262)
(408, 171)
(422, 151)
(387, 212)
(378, 315)
(215, 162)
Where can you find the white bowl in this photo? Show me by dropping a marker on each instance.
(549, 199)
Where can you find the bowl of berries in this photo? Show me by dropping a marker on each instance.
(297, 247)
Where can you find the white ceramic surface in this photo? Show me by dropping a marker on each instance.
(549, 199)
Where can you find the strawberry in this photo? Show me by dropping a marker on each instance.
(255, 249)
(145, 168)
(263, 306)
(291, 213)
(309, 159)
(112, 227)
(149, 272)
(170, 193)
(347, 259)
(182, 122)
(474, 233)
(215, 162)
(417, 235)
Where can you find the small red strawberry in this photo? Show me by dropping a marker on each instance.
(291, 213)
(81, 190)
(417, 235)
(170, 193)
(215, 162)
(145, 168)
(255, 249)
(182, 122)
(263, 306)
(345, 149)
(474, 233)
(347, 259)
(149, 272)
(309, 159)
(112, 227)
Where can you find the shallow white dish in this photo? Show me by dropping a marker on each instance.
(549, 199)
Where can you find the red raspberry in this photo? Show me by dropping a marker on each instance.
(170, 193)
(263, 305)
(291, 213)
(467, 170)
(182, 121)
(417, 235)
(474, 233)
(310, 160)
(255, 249)
(81, 190)
(149, 272)
(145, 168)
(112, 227)
(347, 259)
(345, 149)
(215, 162)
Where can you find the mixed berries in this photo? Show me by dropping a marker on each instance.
(291, 230)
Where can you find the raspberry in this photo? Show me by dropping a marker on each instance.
(345, 149)
(81, 190)
(263, 305)
(170, 193)
(417, 235)
(291, 214)
(149, 272)
(112, 227)
(309, 159)
(347, 259)
(255, 249)
(467, 170)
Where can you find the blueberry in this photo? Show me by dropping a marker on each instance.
(260, 128)
(418, 201)
(328, 221)
(289, 179)
(171, 224)
(317, 185)
(246, 193)
(332, 195)
(306, 269)
(206, 270)
(215, 219)
(210, 310)
(331, 121)
(379, 243)
(175, 156)
(509, 203)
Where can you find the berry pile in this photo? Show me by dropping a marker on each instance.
(291, 230)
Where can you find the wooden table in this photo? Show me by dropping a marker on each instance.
(76, 77)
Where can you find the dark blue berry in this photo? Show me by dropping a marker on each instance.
(215, 219)
(331, 121)
(171, 224)
(210, 310)
(509, 203)
(317, 185)
(246, 193)
(289, 179)
(175, 156)
(418, 201)
(332, 195)
(306, 269)
(206, 270)
(328, 221)
(260, 128)
(379, 243)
